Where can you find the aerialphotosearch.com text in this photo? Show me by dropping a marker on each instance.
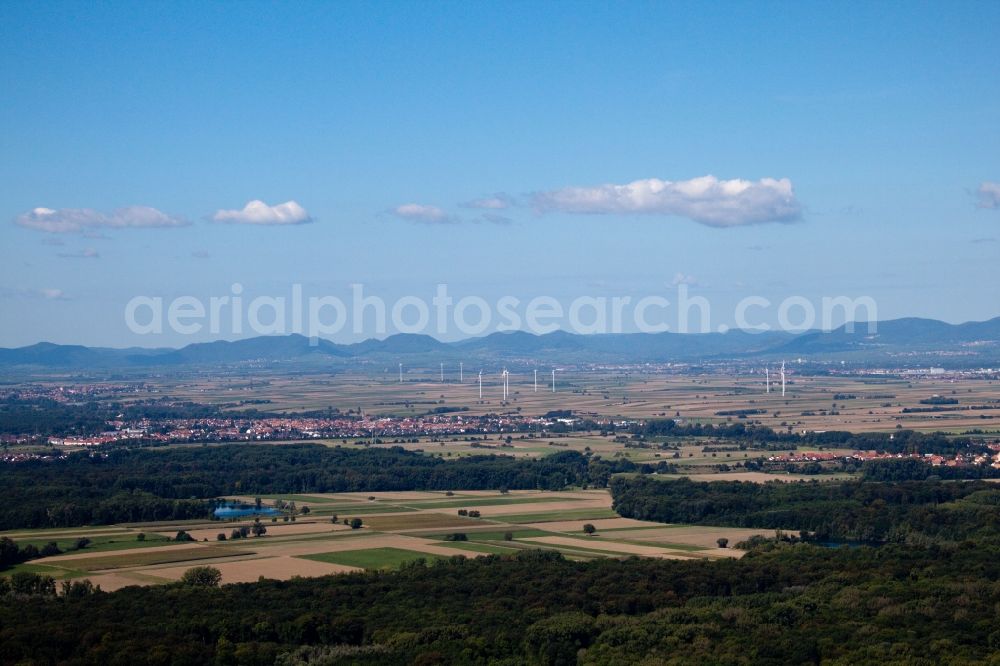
(443, 315)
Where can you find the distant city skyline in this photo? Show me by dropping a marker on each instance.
(568, 150)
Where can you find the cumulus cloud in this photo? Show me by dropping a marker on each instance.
(415, 212)
(89, 253)
(708, 200)
(258, 212)
(988, 194)
(73, 220)
(499, 201)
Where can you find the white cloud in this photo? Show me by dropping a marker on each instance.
(708, 200)
(71, 220)
(499, 201)
(258, 212)
(989, 194)
(423, 213)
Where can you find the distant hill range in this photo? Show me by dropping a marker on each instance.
(899, 342)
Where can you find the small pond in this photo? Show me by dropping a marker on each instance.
(233, 510)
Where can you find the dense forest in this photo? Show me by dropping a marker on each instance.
(866, 511)
(899, 441)
(133, 485)
(791, 605)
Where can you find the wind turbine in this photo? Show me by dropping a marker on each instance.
(503, 377)
(536, 380)
(553, 380)
(461, 376)
(782, 379)
(400, 373)
(442, 373)
(767, 379)
(480, 384)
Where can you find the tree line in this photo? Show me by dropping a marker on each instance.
(863, 511)
(140, 485)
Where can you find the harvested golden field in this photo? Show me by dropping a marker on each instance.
(423, 520)
(247, 571)
(119, 560)
(599, 523)
(611, 547)
(694, 535)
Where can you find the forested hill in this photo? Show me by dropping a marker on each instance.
(156, 484)
(922, 339)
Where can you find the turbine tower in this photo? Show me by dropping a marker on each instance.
(442, 373)
(782, 379)
(480, 384)
(461, 376)
(400, 373)
(536, 380)
(553, 380)
(503, 377)
(767, 379)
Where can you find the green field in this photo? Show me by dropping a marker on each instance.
(553, 516)
(482, 501)
(100, 544)
(480, 547)
(44, 570)
(419, 521)
(372, 558)
(491, 535)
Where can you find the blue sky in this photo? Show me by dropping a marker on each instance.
(383, 122)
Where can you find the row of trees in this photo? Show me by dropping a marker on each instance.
(899, 441)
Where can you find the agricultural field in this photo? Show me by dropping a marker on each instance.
(812, 402)
(408, 526)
